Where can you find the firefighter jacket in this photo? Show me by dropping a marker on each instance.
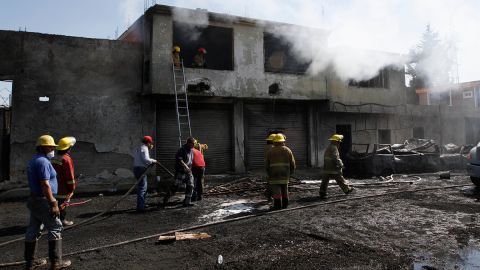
(266, 149)
(332, 164)
(63, 165)
(280, 164)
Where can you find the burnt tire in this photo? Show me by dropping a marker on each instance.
(475, 181)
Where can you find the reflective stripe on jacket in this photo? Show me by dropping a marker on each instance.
(279, 164)
(332, 164)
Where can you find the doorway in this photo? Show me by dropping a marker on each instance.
(346, 145)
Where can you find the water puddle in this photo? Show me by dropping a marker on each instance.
(468, 258)
(232, 208)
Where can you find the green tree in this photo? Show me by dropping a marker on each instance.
(431, 61)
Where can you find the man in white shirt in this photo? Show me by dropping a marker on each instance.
(141, 160)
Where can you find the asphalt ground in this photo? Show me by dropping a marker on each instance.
(434, 229)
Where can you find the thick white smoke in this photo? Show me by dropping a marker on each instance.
(356, 28)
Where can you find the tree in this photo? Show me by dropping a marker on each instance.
(432, 62)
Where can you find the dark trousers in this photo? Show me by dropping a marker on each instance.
(199, 181)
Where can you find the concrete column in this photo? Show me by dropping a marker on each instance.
(238, 137)
(312, 159)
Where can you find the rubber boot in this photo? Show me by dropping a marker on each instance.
(284, 203)
(277, 204)
(55, 255)
(30, 250)
(188, 202)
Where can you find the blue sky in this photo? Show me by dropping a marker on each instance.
(387, 25)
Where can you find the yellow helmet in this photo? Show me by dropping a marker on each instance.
(336, 138)
(65, 143)
(45, 140)
(271, 137)
(279, 138)
(176, 49)
(285, 137)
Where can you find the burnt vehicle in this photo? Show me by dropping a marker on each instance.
(360, 162)
(455, 157)
(414, 156)
(473, 165)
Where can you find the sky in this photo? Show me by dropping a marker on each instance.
(389, 25)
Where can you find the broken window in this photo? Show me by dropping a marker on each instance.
(280, 57)
(379, 81)
(217, 41)
(5, 94)
(384, 136)
(419, 133)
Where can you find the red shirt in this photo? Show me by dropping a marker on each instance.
(198, 160)
(65, 175)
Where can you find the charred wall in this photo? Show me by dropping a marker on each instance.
(93, 89)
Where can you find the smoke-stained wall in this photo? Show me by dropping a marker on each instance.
(93, 89)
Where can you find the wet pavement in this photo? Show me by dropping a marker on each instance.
(436, 229)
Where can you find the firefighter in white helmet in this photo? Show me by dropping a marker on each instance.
(333, 166)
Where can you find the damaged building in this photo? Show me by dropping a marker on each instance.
(109, 93)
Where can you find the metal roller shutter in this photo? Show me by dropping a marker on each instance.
(211, 124)
(289, 117)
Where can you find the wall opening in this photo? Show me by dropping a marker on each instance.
(419, 132)
(6, 88)
(217, 41)
(384, 136)
(279, 56)
(379, 81)
(346, 145)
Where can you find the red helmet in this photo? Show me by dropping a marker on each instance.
(202, 50)
(147, 139)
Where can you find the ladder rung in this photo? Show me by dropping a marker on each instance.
(183, 115)
(182, 107)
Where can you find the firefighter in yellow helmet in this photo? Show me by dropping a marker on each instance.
(333, 166)
(63, 164)
(280, 164)
(176, 57)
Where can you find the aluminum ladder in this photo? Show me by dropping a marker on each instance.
(181, 103)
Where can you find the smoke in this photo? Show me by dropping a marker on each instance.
(193, 21)
(130, 10)
(357, 28)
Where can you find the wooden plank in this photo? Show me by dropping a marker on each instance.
(183, 236)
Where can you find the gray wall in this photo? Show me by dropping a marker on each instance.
(94, 90)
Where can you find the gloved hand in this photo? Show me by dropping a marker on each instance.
(54, 210)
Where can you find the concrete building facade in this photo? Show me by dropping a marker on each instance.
(109, 93)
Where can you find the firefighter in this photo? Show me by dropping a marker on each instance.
(183, 170)
(268, 146)
(333, 167)
(280, 164)
(198, 170)
(176, 56)
(63, 165)
(141, 161)
(199, 60)
(44, 210)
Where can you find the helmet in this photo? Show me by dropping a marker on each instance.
(176, 49)
(202, 50)
(279, 138)
(271, 137)
(285, 137)
(65, 143)
(336, 138)
(147, 139)
(45, 140)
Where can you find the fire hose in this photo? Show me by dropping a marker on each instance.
(243, 218)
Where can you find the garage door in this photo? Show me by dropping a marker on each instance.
(260, 118)
(211, 124)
